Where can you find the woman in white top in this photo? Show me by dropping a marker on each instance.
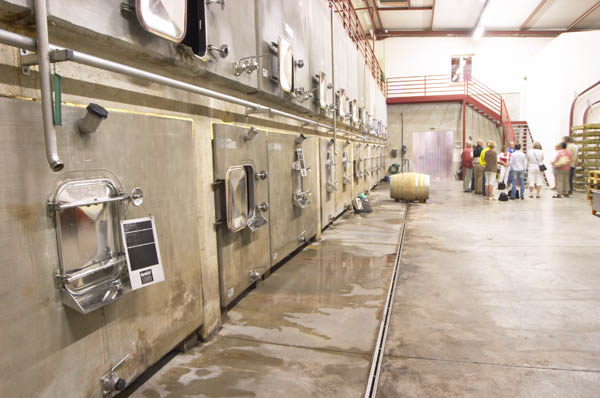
(535, 177)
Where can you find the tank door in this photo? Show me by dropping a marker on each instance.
(329, 183)
(242, 207)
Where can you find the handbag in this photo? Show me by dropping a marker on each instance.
(541, 166)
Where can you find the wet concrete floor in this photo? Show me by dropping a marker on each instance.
(496, 299)
(493, 299)
(308, 330)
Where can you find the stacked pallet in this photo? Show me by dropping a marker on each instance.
(587, 138)
(593, 183)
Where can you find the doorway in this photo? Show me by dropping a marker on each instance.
(432, 154)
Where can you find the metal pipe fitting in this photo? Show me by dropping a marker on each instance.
(94, 116)
(43, 50)
(250, 134)
(300, 139)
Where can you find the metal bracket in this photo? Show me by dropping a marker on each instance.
(221, 2)
(25, 69)
(28, 59)
(250, 111)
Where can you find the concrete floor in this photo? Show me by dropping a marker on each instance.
(308, 330)
(493, 299)
(496, 299)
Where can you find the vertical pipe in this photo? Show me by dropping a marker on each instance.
(402, 142)
(333, 78)
(464, 112)
(43, 50)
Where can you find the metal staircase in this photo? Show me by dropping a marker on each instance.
(472, 93)
(441, 88)
(523, 136)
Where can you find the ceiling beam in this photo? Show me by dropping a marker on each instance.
(481, 14)
(585, 14)
(397, 8)
(432, 15)
(376, 13)
(533, 13)
(382, 34)
(405, 8)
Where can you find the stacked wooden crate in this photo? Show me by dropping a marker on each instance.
(593, 183)
(587, 138)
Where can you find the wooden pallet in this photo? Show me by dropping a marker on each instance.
(593, 183)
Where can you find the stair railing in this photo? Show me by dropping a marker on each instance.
(442, 85)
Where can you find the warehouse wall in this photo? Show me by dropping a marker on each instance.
(436, 116)
(498, 62)
(156, 137)
(566, 67)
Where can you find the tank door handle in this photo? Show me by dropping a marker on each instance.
(218, 187)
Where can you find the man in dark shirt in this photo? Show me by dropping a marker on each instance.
(478, 169)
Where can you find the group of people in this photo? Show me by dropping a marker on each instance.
(481, 165)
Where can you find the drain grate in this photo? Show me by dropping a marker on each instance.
(371, 390)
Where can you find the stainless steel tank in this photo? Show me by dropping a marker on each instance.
(329, 180)
(241, 206)
(293, 193)
(343, 196)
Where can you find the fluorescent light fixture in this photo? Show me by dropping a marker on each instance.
(478, 34)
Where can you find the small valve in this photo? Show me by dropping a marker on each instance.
(262, 175)
(263, 207)
(223, 50)
(110, 382)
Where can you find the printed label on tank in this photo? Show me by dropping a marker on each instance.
(142, 252)
(230, 292)
(275, 146)
(146, 276)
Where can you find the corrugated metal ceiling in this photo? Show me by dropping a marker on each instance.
(510, 16)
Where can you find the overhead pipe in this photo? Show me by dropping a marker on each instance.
(43, 51)
(588, 109)
(575, 101)
(20, 41)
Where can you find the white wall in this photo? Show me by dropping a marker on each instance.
(566, 67)
(499, 62)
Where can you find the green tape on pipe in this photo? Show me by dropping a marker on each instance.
(57, 99)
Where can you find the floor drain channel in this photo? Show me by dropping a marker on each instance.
(371, 390)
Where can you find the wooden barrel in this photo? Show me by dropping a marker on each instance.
(409, 187)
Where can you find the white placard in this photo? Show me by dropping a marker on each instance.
(142, 252)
